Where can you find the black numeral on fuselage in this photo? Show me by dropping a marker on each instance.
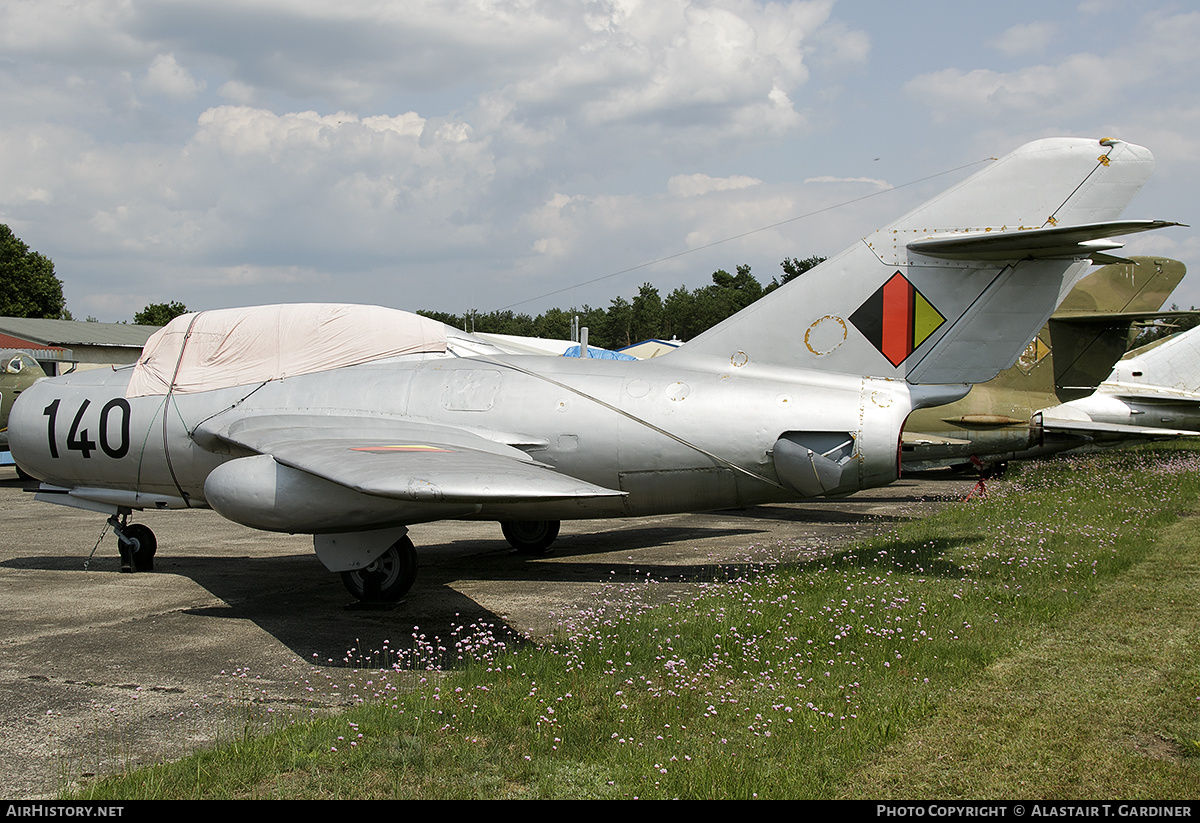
(78, 437)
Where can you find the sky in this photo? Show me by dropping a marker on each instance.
(460, 155)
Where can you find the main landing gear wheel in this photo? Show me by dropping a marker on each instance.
(530, 536)
(137, 546)
(387, 579)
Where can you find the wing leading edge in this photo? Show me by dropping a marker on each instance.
(323, 474)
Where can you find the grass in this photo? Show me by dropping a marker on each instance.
(1039, 643)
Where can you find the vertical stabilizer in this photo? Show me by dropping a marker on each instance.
(953, 291)
(1172, 364)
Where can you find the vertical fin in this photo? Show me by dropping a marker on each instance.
(953, 291)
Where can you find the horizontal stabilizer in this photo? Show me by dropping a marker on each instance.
(1030, 244)
(1117, 429)
(1121, 317)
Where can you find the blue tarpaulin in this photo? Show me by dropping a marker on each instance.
(598, 354)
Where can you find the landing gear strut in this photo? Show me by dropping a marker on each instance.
(135, 542)
(530, 536)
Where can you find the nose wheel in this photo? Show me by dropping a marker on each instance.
(136, 543)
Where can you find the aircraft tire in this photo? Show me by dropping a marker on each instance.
(143, 546)
(530, 536)
(387, 579)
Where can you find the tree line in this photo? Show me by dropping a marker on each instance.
(682, 315)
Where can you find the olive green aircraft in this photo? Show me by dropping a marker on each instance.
(351, 423)
(1001, 420)
(18, 371)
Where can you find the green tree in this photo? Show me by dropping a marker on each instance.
(442, 317)
(28, 287)
(159, 314)
(683, 314)
(679, 315)
(505, 322)
(647, 320)
(554, 324)
(614, 332)
(728, 294)
(596, 322)
(793, 267)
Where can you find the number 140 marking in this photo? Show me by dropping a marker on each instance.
(79, 440)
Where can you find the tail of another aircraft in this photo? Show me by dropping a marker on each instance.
(1091, 330)
(953, 291)
(1138, 284)
(1173, 363)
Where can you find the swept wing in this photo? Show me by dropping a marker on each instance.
(401, 459)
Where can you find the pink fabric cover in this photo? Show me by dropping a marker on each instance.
(236, 347)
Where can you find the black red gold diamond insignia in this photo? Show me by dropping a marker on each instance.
(897, 319)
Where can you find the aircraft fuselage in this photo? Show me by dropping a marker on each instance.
(671, 439)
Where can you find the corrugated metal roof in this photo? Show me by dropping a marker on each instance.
(7, 341)
(75, 333)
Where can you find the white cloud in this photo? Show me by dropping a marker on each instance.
(727, 70)
(1156, 49)
(169, 79)
(90, 32)
(424, 153)
(693, 185)
(1068, 88)
(259, 275)
(238, 92)
(872, 181)
(1025, 38)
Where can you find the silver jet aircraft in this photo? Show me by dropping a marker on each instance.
(1154, 388)
(351, 423)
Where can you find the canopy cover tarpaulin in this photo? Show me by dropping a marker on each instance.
(236, 347)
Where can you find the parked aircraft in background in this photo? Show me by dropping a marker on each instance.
(1076, 350)
(1156, 387)
(352, 423)
(18, 371)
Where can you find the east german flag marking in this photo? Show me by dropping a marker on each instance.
(897, 319)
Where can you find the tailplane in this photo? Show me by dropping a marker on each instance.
(953, 291)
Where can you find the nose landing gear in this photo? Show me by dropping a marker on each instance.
(135, 542)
